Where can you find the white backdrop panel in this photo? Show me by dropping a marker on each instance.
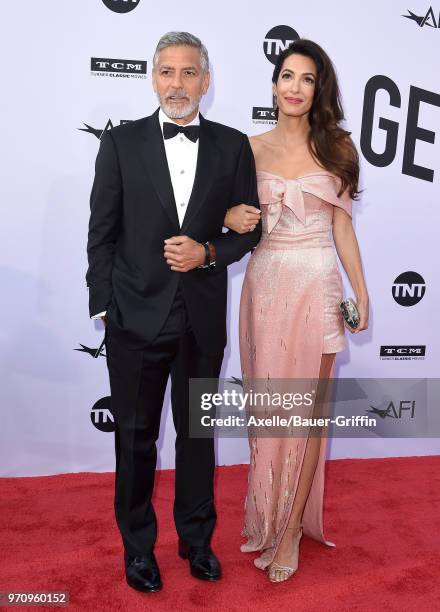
(48, 389)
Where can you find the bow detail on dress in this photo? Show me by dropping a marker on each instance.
(287, 193)
(279, 192)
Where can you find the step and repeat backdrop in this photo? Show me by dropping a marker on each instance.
(72, 70)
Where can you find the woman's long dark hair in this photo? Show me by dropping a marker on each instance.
(329, 143)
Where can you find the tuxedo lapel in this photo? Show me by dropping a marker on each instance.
(208, 159)
(155, 159)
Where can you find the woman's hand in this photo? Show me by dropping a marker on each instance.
(242, 218)
(363, 308)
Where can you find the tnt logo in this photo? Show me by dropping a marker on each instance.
(277, 40)
(101, 415)
(408, 288)
(121, 6)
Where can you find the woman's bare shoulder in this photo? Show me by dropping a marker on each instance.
(260, 141)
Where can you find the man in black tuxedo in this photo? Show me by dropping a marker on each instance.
(158, 277)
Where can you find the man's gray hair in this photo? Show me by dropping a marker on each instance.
(171, 39)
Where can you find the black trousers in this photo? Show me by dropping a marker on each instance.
(138, 380)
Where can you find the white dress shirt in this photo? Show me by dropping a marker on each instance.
(181, 155)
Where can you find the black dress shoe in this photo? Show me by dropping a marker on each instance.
(202, 561)
(142, 573)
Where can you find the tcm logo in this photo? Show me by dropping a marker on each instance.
(403, 352)
(98, 132)
(408, 288)
(261, 114)
(121, 6)
(277, 40)
(101, 415)
(424, 20)
(403, 408)
(390, 131)
(104, 66)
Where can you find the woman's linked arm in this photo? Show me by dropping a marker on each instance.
(242, 218)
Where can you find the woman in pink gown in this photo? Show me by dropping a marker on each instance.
(290, 322)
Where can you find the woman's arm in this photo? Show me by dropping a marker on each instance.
(242, 218)
(348, 251)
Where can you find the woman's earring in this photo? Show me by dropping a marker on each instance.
(274, 101)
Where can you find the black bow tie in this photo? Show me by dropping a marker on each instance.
(172, 129)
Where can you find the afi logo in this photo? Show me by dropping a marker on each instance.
(121, 6)
(277, 40)
(98, 132)
(101, 415)
(404, 406)
(408, 288)
(93, 352)
(427, 20)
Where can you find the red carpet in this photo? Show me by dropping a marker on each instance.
(58, 533)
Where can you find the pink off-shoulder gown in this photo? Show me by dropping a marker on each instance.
(289, 317)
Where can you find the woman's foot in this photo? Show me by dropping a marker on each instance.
(285, 562)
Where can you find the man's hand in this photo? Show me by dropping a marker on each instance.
(182, 253)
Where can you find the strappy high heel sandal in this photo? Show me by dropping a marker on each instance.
(281, 573)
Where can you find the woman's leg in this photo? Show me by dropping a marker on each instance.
(286, 548)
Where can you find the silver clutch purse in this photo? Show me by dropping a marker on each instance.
(350, 312)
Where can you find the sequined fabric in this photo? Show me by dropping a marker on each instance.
(289, 317)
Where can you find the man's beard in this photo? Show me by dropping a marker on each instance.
(183, 111)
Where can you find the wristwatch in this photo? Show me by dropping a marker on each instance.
(209, 256)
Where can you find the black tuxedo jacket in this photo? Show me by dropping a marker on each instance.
(133, 211)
